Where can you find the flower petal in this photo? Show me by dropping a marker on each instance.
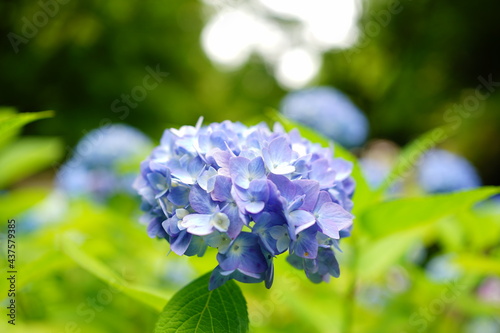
(279, 152)
(222, 189)
(255, 207)
(198, 224)
(181, 243)
(238, 168)
(306, 245)
(256, 168)
(332, 218)
(201, 201)
(300, 219)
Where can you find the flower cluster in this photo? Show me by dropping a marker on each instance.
(441, 171)
(328, 111)
(100, 162)
(250, 192)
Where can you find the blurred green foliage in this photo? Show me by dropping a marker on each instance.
(407, 75)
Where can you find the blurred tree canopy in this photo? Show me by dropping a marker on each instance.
(78, 58)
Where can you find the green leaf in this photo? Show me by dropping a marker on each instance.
(477, 238)
(451, 234)
(196, 309)
(378, 256)
(17, 201)
(148, 296)
(39, 268)
(402, 214)
(479, 264)
(26, 157)
(6, 112)
(411, 154)
(11, 122)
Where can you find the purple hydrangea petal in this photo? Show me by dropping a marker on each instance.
(284, 185)
(236, 221)
(238, 168)
(306, 245)
(300, 220)
(259, 190)
(332, 218)
(322, 172)
(310, 190)
(179, 195)
(280, 234)
(277, 157)
(243, 254)
(155, 228)
(256, 169)
(181, 243)
(342, 169)
(201, 201)
(217, 279)
(222, 188)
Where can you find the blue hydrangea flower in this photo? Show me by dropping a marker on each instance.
(442, 269)
(252, 194)
(375, 171)
(377, 162)
(440, 171)
(328, 111)
(98, 167)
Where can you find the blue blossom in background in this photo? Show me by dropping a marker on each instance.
(442, 269)
(51, 209)
(98, 167)
(250, 192)
(328, 111)
(377, 161)
(441, 171)
(484, 324)
(375, 171)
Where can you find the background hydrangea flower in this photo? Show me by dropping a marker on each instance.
(328, 111)
(377, 161)
(442, 269)
(489, 290)
(100, 163)
(250, 192)
(375, 171)
(441, 171)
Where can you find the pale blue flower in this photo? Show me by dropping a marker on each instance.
(440, 171)
(328, 111)
(98, 167)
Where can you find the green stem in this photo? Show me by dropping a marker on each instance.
(350, 296)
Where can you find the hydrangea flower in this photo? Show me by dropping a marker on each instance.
(328, 111)
(440, 171)
(489, 290)
(252, 194)
(442, 269)
(98, 167)
(377, 161)
(375, 171)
